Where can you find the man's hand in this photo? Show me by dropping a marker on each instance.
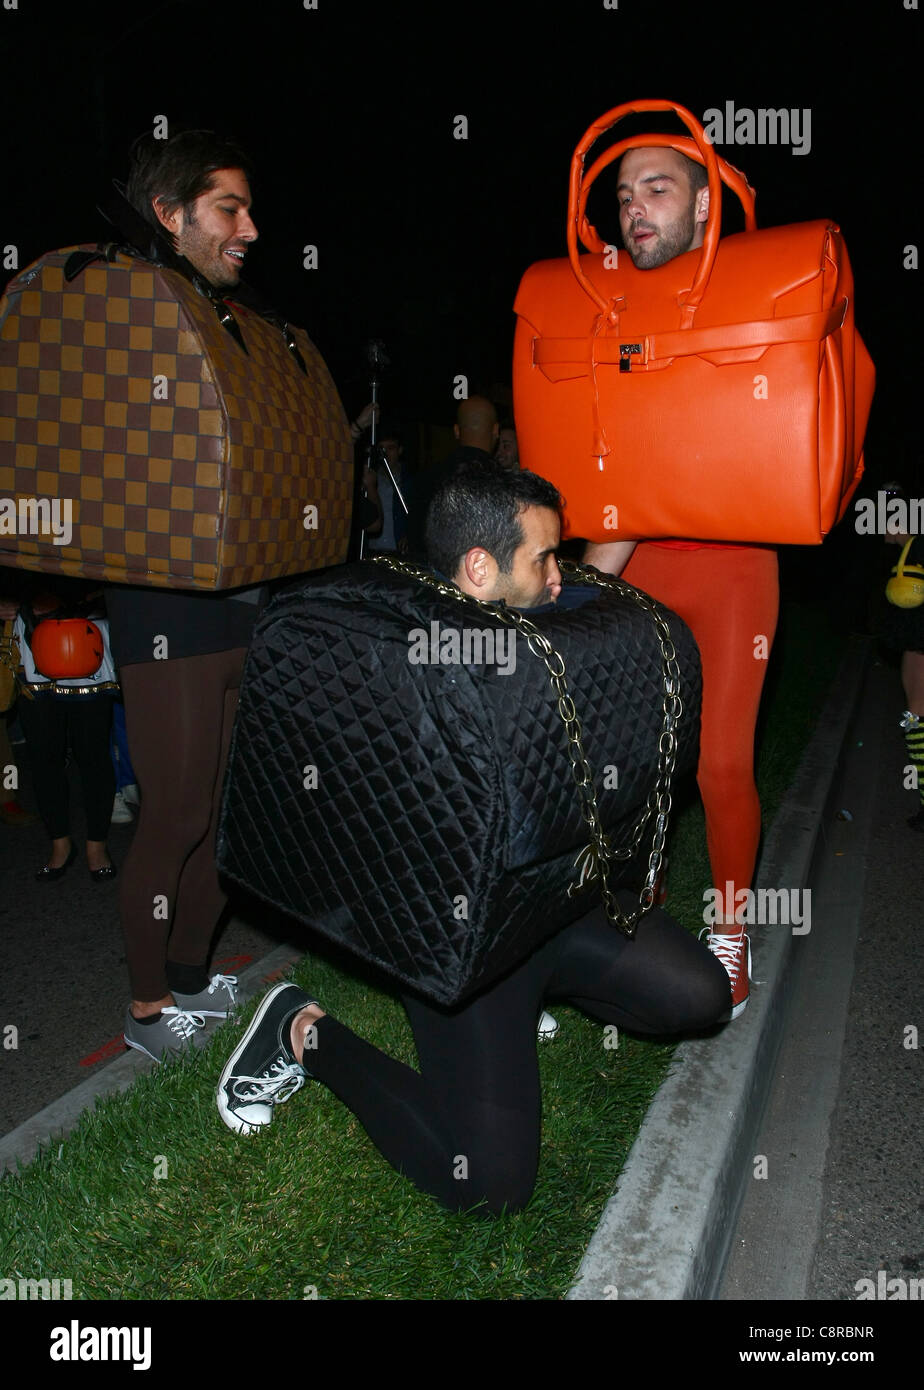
(611, 557)
(363, 421)
(367, 415)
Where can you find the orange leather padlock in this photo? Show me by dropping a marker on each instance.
(721, 396)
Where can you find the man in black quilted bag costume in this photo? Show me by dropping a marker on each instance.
(466, 1127)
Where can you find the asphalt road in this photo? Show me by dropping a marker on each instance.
(64, 986)
(837, 1200)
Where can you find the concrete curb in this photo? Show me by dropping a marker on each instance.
(665, 1232)
(22, 1144)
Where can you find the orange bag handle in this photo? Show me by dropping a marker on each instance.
(579, 186)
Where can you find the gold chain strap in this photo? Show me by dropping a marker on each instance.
(9, 664)
(595, 859)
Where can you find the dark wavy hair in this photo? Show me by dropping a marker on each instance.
(479, 505)
(179, 170)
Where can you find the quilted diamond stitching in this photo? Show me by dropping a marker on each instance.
(433, 782)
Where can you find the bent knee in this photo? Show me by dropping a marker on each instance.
(492, 1190)
(708, 996)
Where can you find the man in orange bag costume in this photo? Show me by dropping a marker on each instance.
(729, 595)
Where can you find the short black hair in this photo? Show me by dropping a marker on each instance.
(179, 170)
(479, 504)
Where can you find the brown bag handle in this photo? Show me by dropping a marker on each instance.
(699, 148)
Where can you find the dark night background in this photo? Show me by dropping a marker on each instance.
(348, 113)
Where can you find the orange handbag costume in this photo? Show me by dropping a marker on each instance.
(732, 374)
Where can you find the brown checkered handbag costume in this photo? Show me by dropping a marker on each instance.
(189, 449)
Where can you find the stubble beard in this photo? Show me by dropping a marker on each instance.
(672, 241)
(219, 272)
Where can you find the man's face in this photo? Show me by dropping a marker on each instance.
(217, 232)
(534, 576)
(660, 215)
(391, 448)
(506, 452)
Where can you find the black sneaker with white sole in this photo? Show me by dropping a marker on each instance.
(262, 1070)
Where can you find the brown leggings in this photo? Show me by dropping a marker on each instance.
(179, 716)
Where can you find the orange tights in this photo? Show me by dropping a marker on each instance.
(730, 600)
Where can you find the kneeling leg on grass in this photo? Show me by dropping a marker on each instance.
(465, 1129)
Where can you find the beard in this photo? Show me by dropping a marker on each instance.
(205, 254)
(668, 242)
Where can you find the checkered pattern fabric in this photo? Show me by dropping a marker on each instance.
(188, 462)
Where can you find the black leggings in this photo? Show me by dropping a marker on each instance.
(465, 1128)
(51, 723)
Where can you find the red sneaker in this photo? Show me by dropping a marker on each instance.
(733, 949)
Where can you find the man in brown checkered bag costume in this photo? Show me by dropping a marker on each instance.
(195, 188)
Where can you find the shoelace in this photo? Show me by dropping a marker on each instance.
(281, 1080)
(729, 950)
(181, 1023)
(228, 981)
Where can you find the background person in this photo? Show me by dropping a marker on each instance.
(902, 630)
(70, 715)
(475, 432)
(507, 454)
(389, 530)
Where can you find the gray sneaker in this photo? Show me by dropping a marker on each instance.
(215, 1001)
(171, 1033)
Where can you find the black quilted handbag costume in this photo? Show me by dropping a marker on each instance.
(409, 777)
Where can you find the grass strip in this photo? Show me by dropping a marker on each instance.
(151, 1197)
